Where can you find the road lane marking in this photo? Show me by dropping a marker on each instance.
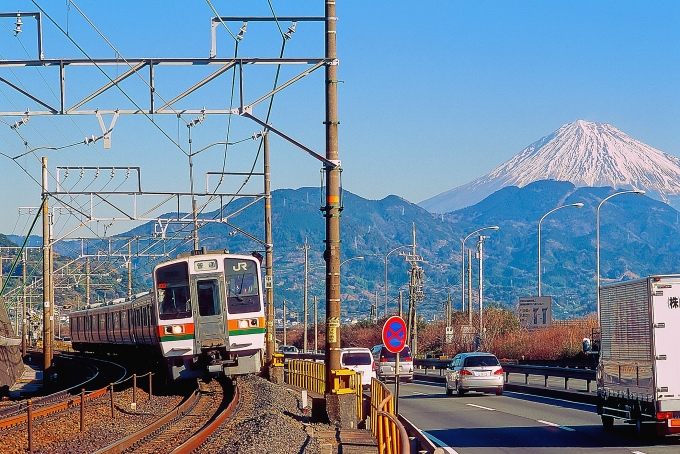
(419, 393)
(483, 408)
(556, 425)
(639, 452)
(441, 444)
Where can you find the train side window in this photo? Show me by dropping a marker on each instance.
(208, 297)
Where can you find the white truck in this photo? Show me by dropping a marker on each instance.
(638, 375)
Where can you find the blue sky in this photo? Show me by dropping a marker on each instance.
(434, 93)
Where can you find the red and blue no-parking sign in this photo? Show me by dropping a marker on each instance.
(394, 334)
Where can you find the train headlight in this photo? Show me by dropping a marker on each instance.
(174, 329)
(253, 322)
(243, 324)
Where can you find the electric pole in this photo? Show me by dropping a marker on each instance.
(269, 254)
(415, 292)
(333, 207)
(305, 248)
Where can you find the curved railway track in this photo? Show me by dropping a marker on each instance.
(149, 426)
(59, 401)
(186, 426)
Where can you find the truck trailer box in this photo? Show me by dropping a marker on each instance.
(638, 375)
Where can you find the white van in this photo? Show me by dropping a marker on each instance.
(360, 360)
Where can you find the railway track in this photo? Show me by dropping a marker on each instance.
(16, 413)
(187, 426)
(152, 425)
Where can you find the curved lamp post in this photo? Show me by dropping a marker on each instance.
(597, 242)
(462, 262)
(307, 270)
(386, 256)
(577, 205)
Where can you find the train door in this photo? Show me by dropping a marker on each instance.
(210, 326)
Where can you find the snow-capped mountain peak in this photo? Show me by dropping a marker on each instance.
(583, 153)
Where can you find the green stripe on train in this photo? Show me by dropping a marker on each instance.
(178, 337)
(247, 331)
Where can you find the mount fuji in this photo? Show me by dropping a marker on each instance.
(583, 153)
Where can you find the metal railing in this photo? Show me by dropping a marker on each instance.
(567, 373)
(387, 429)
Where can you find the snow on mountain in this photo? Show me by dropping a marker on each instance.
(583, 153)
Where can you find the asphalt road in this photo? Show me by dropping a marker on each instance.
(518, 423)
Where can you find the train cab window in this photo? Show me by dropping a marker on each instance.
(242, 286)
(172, 287)
(208, 297)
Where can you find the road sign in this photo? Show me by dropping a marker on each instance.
(449, 334)
(394, 334)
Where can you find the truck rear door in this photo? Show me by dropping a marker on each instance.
(666, 327)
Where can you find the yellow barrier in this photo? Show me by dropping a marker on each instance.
(390, 433)
(311, 375)
(307, 375)
(277, 359)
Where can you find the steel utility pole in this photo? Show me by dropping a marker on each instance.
(24, 334)
(47, 325)
(415, 292)
(269, 254)
(333, 208)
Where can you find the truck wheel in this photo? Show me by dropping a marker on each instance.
(607, 422)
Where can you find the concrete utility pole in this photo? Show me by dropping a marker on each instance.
(285, 341)
(269, 254)
(129, 270)
(24, 334)
(47, 325)
(316, 327)
(332, 211)
(88, 281)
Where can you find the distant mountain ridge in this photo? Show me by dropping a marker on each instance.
(584, 153)
(638, 237)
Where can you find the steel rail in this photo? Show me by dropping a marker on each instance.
(129, 441)
(202, 435)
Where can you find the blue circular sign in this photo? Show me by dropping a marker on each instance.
(394, 334)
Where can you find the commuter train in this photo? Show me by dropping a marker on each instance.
(204, 316)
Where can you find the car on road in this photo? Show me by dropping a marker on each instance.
(385, 363)
(288, 349)
(475, 371)
(359, 360)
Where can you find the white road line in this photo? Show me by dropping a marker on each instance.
(556, 425)
(419, 393)
(441, 444)
(639, 452)
(483, 408)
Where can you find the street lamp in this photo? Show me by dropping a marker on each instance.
(597, 242)
(577, 205)
(462, 261)
(307, 270)
(388, 254)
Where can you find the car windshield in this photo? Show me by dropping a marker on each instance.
(480, 361)
(389, 356)
(356, 359)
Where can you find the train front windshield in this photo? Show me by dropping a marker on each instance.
(172, 287)
(243, 292)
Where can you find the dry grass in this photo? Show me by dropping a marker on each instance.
(503, 336)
